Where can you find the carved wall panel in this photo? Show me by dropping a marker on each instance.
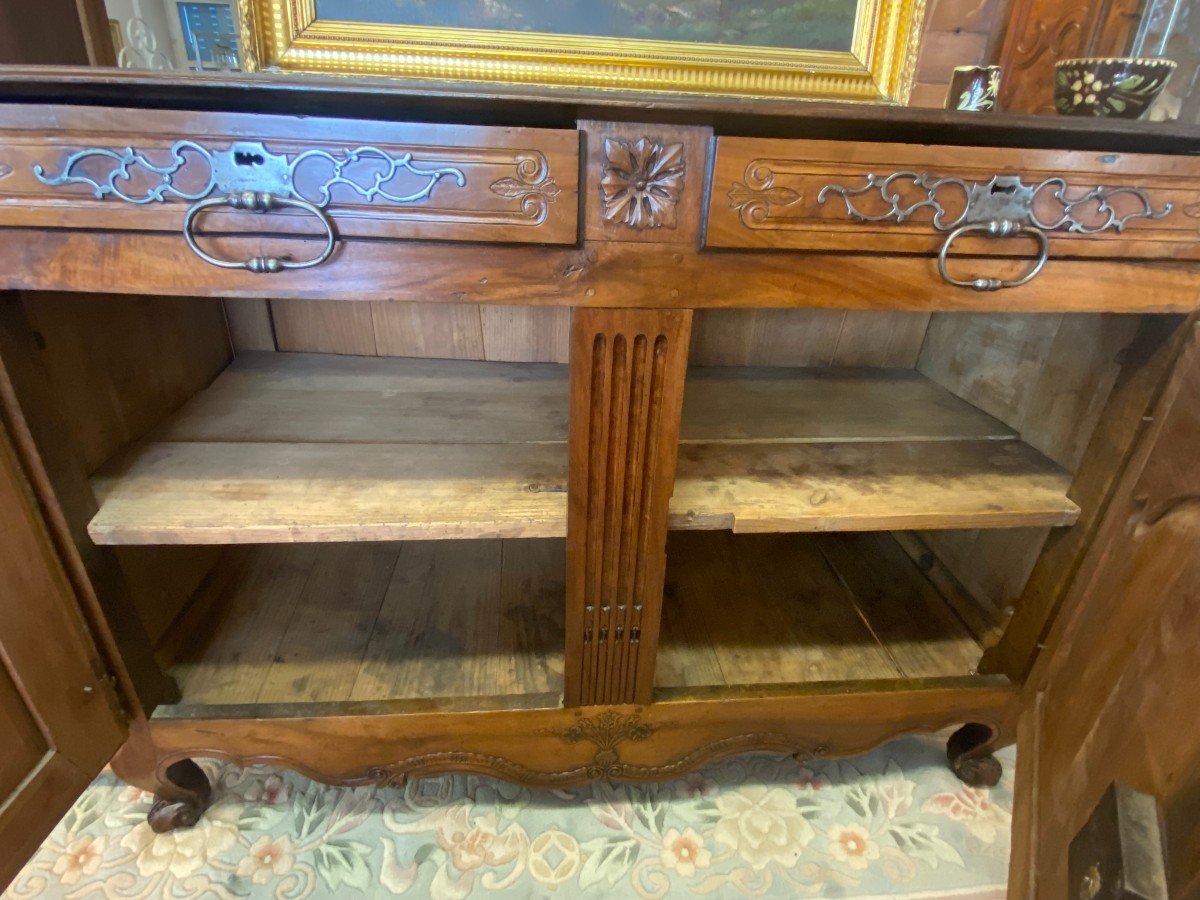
(1041, 32)
(627, 373)
(373, 179)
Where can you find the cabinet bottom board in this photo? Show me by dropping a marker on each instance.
(478, 624)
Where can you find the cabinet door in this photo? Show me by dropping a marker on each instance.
(59, 717)
(1114, 698)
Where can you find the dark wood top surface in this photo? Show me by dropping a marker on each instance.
(381, 98)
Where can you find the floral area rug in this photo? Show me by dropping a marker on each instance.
(892, 823)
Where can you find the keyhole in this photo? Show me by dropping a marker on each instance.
(244, 158)
(1004, 188)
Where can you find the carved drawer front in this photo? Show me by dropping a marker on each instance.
(157, 170)
(904, 198)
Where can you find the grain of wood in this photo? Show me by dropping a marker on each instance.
(439, 627)
(615, 274)
(886, 339)
(322, 326)
(990, 360)
(532, 591)
(867, 486)
(307, 398)
(427, 330)
(228, 656)
(1049, 377)
(297, 447)
(526, 333)
(769, 609)
(392, 621)
(781, 405)
(119, 367)
(1076, 378)
(250, 326)
(983, 620)
(221, 493)
(913, 622)
(331, 624)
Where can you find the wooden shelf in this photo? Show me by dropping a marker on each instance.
(375, 621)
(288, 447)
(794, 609)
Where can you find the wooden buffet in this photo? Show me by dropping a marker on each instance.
(380, 433)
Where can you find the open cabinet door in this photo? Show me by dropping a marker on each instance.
(1115, 696)
(59, 717)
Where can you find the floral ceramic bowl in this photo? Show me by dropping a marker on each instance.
(1123, 88)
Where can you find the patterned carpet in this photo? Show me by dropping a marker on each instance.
(893, 823)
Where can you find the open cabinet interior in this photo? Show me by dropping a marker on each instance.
(358, 502)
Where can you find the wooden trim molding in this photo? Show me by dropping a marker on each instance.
(564, 747)
(627, 374)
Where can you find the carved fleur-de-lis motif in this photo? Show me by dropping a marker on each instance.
(516, 189)
(642, 182)
(741, 195)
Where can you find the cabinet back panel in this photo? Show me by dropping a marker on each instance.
(764, 337)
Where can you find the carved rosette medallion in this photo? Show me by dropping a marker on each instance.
(641, 183)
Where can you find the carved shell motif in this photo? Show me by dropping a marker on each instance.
(641, 183)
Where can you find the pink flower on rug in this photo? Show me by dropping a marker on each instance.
(852, 844)
(975, 809)
(684, 852)
(131, 794)
(809, 781)
(472, 844)
(694, 785)
(267, 857)
(80, 857)
(271, 790)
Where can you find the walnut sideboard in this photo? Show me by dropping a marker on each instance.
(377, 433)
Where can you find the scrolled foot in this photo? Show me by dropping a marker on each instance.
(181, 799)
(969, 752)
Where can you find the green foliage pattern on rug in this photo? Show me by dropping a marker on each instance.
(891, 823)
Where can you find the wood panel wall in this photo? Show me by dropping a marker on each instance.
(767, 337)
(957, 33)
(118, 366)
(1046, 375)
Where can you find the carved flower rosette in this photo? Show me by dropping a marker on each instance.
(642, 182)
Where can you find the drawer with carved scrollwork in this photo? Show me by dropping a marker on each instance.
(221, 173)
(904, 198)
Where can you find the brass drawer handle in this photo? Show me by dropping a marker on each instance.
(996, 229)
(258, 202)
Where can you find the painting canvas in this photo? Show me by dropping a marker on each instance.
(794, 24)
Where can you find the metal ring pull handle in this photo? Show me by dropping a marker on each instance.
(996, 229)
(259, 202)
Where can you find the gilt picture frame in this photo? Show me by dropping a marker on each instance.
(874, 59)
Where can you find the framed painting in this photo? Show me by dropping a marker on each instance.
(861, 50)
